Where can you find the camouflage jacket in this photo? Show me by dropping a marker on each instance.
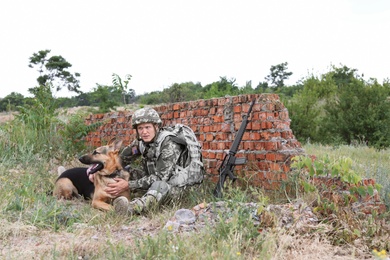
(154, 169)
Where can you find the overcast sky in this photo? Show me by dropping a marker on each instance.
(174, 41)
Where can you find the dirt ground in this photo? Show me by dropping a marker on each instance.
(6, 116)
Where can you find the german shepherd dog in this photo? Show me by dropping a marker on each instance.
(106, 164)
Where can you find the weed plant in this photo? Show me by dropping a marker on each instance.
(368, 162)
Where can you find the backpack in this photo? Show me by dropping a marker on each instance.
(194, 171)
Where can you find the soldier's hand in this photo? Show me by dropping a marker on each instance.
(118, 187)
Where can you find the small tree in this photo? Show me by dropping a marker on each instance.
(278, 74)
(103, 96)
(54, 71)
(122, 86)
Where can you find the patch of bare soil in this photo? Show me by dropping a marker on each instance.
(28, 242)
(6, 116)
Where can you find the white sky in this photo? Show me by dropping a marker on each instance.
(174, 41)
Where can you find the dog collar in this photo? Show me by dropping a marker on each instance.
(114, 174)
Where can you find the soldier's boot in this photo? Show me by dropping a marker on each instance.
(157, 191)
(121, 206)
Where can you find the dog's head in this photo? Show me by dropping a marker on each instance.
(103, 158)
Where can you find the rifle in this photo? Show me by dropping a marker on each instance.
(230, 160)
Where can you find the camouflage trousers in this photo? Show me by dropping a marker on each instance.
(160, 193)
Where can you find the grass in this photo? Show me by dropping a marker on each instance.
(368, 162)
(33, 224)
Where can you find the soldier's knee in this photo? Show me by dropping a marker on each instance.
(159, 189)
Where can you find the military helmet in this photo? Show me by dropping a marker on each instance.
(145, 115)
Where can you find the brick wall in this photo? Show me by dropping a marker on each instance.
(268, 143)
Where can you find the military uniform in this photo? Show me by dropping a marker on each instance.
(157, 179)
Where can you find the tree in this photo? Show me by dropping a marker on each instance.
(122, 87)
(221, 88)
(11, 102)
(247, 89)
(359, 111)
(261, 87)
(305, 110)
(278, 74)
(54, 71)
(183, 92)
(104, 97)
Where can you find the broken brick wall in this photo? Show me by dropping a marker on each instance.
(268, 143)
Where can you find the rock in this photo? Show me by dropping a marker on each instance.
(185, 216)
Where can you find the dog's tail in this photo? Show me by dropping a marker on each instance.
(60, 170)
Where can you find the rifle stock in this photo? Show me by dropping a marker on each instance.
(230, 160)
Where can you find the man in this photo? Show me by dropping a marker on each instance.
(165, 161)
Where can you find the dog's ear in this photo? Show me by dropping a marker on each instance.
(112, 140)
(117, 145)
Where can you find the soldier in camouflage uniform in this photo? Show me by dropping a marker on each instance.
(156, 178)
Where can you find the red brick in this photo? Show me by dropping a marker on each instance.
(218, 119)
(260, 146)
(246, 136)
(212, 155)
(266, 125)
(99, 116)
(270, 146)
(176, 106)
(260, 156)
(237, 118)
(205, 112)
(274, 166)
(286, 168)
(189, 113)
(255, 125)
(212, 163)
(221, 101)
(271, 157)
(213, 111)
(220, 156)
(228, 144)
(225, 127)
(276, 185)
(251, 157)
(215, 128)
(255, 116)
(221, 145)
(263, 166)
(237, 109)
(213, 146)
(209, 137)
(254, 136)
(248, 145)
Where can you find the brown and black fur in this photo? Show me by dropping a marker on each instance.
(106, 166)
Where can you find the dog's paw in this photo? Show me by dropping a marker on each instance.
(60, 170)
